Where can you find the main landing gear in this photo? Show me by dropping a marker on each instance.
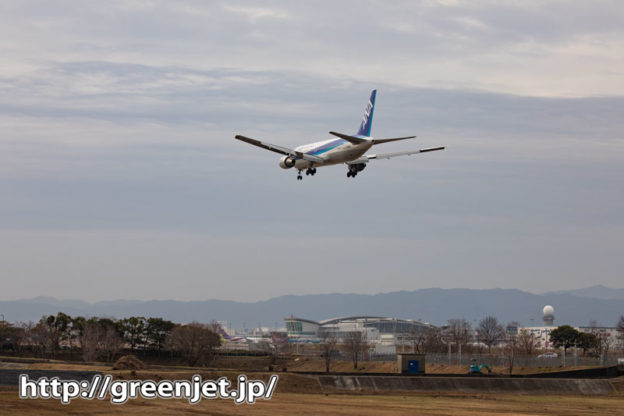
(309, 171)
(354, 169)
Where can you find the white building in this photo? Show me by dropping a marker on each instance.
(377, 330)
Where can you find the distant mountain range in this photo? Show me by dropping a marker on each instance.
(597, 292)
(574, 307)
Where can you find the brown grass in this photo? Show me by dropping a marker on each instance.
(297, 364)
(302, 395)
(333, 404)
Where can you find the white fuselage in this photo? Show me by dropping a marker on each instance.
(332, 151)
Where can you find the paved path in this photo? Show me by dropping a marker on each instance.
(10, 377)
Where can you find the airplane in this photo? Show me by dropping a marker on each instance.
(347, 149)
(224, 336)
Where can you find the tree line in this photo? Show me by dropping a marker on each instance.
(101, 339)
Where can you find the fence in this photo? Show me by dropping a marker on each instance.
(491, 360)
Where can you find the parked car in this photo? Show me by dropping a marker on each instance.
(548, 355)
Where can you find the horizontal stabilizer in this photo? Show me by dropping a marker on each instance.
(379, 141)
(352, 139)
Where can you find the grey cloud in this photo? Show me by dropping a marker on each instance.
(118, 160)
(177, 94)
(496, 46)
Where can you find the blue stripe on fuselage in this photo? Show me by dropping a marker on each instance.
(326, 147)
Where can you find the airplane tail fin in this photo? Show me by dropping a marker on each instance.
(367, 120)
(223, 335)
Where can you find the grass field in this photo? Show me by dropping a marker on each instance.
(332, 404)
(301, 395)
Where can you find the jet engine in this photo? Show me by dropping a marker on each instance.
(287, 162)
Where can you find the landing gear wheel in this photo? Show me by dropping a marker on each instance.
(299, 177)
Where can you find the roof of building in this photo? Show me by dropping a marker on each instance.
(292, 318)
(363, 317)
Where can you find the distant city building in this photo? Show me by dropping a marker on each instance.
(378, 330)
(300, 329)
(541, 334)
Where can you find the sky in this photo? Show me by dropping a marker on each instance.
(120, 177)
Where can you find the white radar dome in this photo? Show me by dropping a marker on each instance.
(548, 311)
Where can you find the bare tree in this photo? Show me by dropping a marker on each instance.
(100, 340)
(355, 346)
(433, 341)
(490, 331)
(510, 350)
(458, 331)
(46, 334)
(526, 342)
(328, 346)
(282, 345)
(417, 337)
(215, 327)
(89, 340)
(111, 343)
(34, 337)
(196, 342)
(11, 336)
(602, 342)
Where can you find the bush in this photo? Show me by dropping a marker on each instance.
(129, 362)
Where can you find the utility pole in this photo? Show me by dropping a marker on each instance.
(459, 352)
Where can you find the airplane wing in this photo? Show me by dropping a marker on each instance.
(406, 153)
(367, 158)
(279, 149)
